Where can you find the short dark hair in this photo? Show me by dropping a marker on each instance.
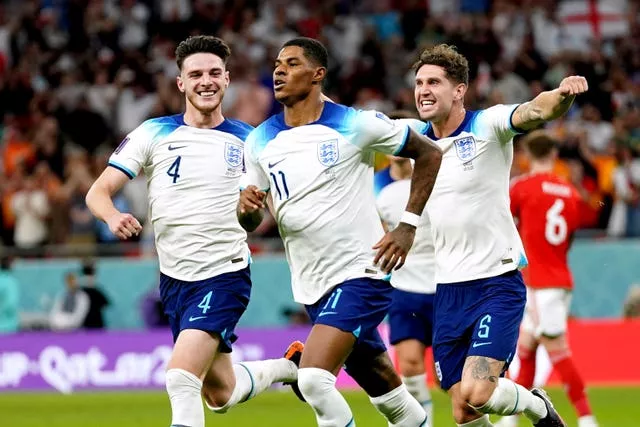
(202, 44)
(446, 56)
(312, 48)
(539, 144)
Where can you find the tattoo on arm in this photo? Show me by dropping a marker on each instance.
(527, 116)
(427, 156)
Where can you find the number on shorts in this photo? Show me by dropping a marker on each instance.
(205, 303)
(483, 329)
(555, 230)
(333, 299)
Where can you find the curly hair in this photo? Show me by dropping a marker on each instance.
(446, 56)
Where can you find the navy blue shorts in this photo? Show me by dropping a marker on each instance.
(476, 318)
(357, 306)
(411, 317)
(212, 305)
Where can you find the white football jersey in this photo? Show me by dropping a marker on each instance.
(474, 233)
(321, 179)
(193, 177)
(418, 272)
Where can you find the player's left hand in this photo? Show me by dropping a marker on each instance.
(394, 247)
(573, 85)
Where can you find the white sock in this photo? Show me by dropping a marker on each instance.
(508, 421)
(480, 422)
(510, 398)
(417, 386)
(319, 390)
(252, 378)
(400, 408)
(184, 391)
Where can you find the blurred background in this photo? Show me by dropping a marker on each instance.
(77, 75)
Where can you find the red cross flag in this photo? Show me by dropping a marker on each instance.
(595, 19)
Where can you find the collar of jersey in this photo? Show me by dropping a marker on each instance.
(324, 116)
(225, 126)
(465, 125)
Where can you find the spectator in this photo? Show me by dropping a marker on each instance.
(30, 207)
(70, 308)
(98, 301)
(9, 298)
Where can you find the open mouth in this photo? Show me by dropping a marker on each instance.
(207, 94)
(278, 84)
(425, 103)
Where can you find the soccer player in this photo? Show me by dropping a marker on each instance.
(547, 209)
(480, 296)
(411, 312)
(316, 160)
(193, 163)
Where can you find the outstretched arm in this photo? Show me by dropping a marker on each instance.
(549, 105)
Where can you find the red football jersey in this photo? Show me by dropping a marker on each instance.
(547, 209)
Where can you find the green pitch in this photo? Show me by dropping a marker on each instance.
(613, 406)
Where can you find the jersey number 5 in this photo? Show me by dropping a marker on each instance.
(555, 230)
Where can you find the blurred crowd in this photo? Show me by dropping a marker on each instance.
(77, 75)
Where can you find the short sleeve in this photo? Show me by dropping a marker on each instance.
(375, 131)
(131, 155)
(253, 173)
(498, 119)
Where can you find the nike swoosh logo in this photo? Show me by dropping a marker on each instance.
(175, 147)
(324, 313)
(191, 319)
(480, 344)
(273, 164)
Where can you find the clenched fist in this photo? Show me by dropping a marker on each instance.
(124, 225)
(573, 85)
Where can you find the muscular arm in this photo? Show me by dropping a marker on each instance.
(549, 105)
(99, 198)
(427, 156)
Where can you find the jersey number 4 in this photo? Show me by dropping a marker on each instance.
(174, 169)
(555, 230)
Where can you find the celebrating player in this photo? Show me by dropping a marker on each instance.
(480, 296)
(193, 163)
(547, 209)
(316, 160)
(411, 311)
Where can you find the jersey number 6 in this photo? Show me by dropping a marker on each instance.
(555, 230)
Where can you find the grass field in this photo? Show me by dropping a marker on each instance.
(614, 407)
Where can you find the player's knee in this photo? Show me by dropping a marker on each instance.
(476, 392)
(411, 365)
(182, 384)
(314, 383)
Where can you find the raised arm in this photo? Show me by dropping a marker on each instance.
(100, 203)
(549, 105)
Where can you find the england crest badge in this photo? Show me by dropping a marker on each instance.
(233, 155)
(465, 148)
(328, 152)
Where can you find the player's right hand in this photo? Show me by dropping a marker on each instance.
(124, 225)
(251, 199)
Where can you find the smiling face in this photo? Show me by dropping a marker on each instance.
(435, 94)
(203, 79)
(295, 75)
